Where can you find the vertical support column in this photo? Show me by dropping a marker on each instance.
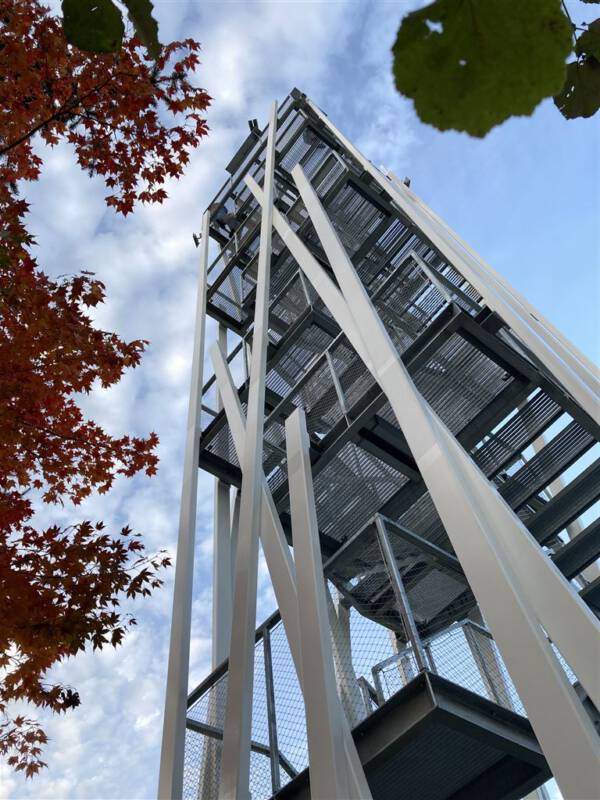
(222, 594)
(235, 527)
(235, 763)
(328, 766)
(222, 586)
(247, 357)
(222, 582)
(271, 715)
(170, 782)
(403, 605)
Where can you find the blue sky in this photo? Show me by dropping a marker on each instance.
(526, 197)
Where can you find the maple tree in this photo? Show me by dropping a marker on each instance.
(132, 121)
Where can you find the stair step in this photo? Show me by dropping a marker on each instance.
(580, 552)
(567, 505)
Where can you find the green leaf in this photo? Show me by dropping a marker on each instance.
(589, 41)
(580, 96)
(469, 65)
(146, 27)
(93, 25)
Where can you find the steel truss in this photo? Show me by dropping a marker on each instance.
(403, 419)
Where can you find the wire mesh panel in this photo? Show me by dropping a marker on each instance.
(354, 217)
(285, 373)
(318, 397)
(465, 654)
(354, 378)
(459, 381)
(289, 705)
(407, 303)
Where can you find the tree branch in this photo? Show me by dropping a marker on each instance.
(64, 109)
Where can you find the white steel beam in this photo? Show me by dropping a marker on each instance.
(275, 547)
(222, 598)
(328, 767)
(467, 503)
(170, 782)
(222, 566)
(487, 271)
(566, 618)
(222, 594)
(563, 360)
(235, 761)
(277, 555)
(341, 640)
(235, 527)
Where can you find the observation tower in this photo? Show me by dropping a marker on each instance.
(416, 450)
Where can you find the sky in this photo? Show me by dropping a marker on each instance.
(526, 197)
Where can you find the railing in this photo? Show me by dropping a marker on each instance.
(464, 653)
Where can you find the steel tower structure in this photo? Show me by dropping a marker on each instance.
(387, 404)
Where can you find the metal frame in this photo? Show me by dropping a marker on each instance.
(395, 241)
(281, 567)
(223, 562)
(576, 373)
(554, 598)
(170, 782)
(235, 762)
(400, 594)
(272, 721)
(495, 550)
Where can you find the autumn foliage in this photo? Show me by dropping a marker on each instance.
(133, 122)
